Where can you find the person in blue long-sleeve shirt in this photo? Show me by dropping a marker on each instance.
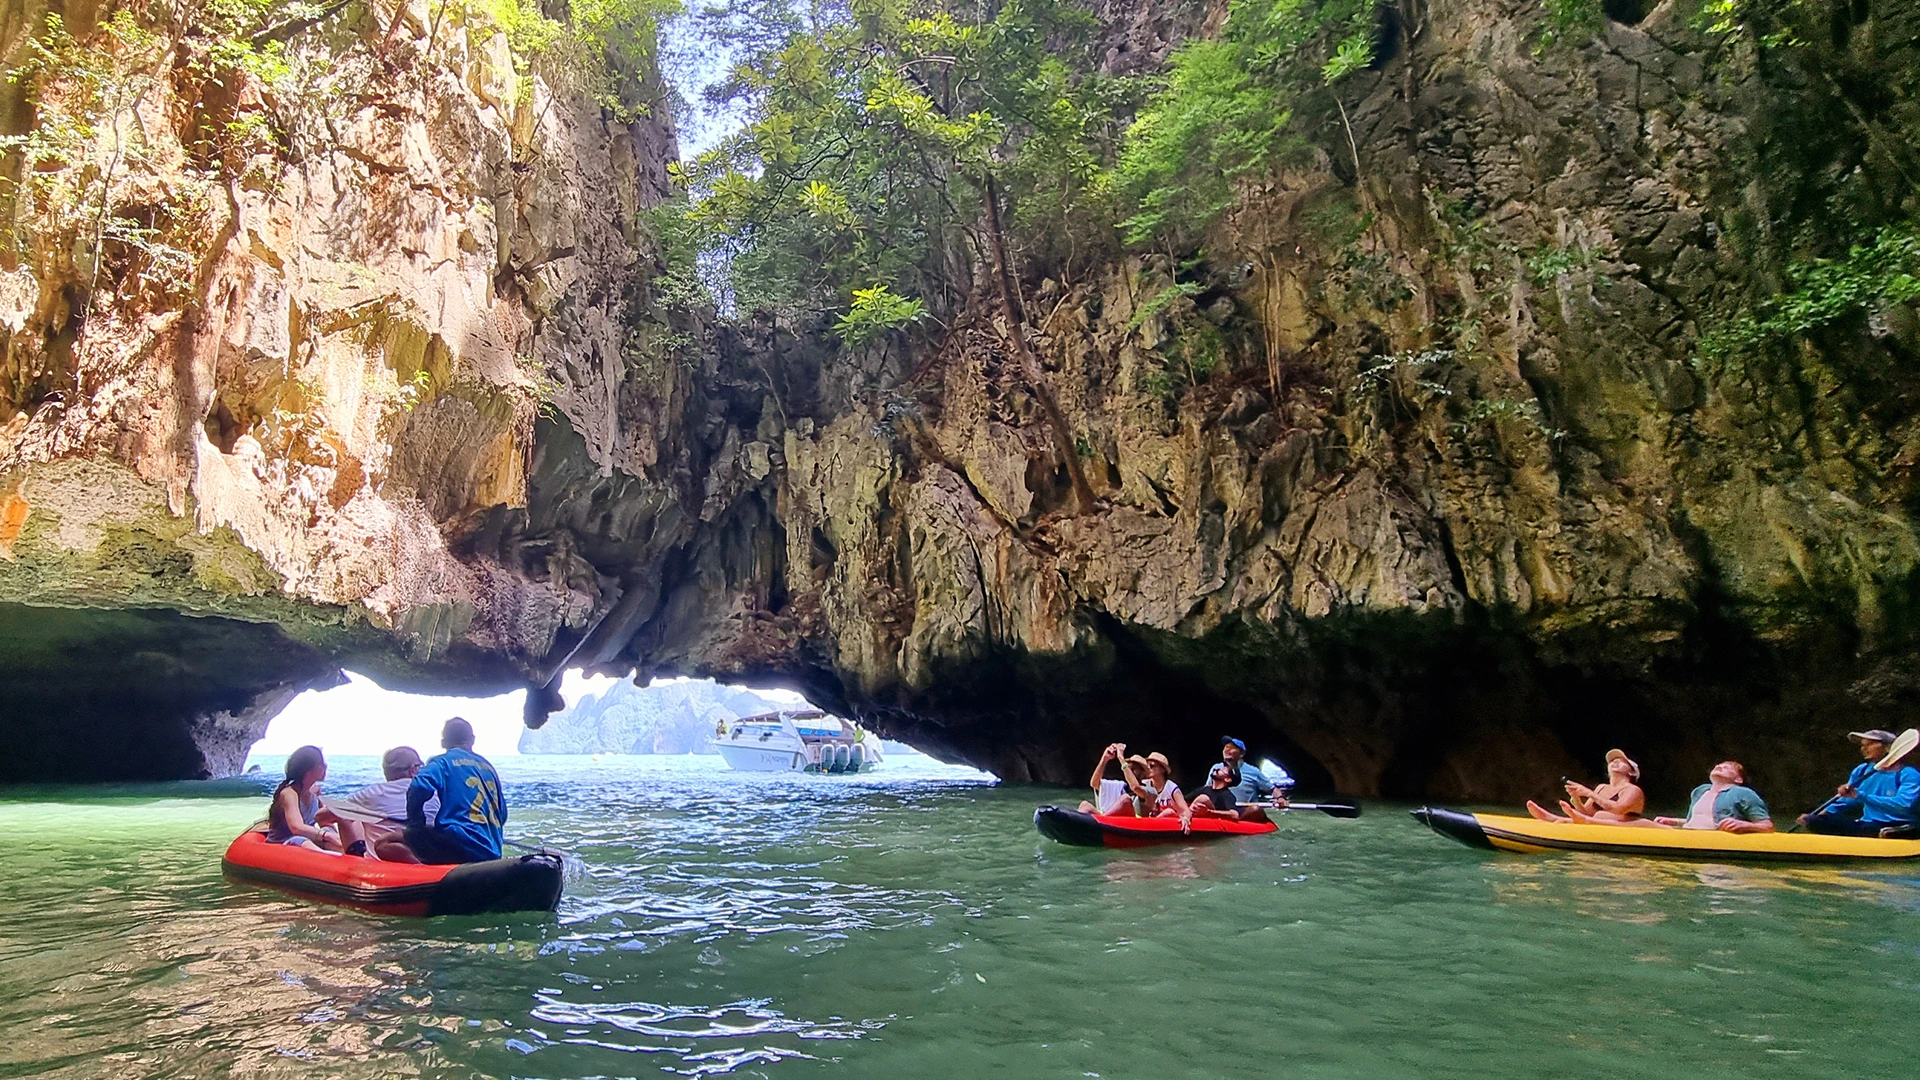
(468, 826)
(1879, 794)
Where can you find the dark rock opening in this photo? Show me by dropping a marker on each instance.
(1627, 12)
(141, 694)
(1386, 36)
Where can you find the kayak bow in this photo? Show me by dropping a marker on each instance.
(1498, 832)
(1089, 830)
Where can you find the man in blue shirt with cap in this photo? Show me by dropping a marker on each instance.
(1879, 794)
(1250, 785)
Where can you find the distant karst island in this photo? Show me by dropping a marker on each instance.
(666, 718)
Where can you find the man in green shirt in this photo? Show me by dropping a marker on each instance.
(1724, 802)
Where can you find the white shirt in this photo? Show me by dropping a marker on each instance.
(1164, 796)
(1702, 815)
(385, 801)
(1113, 794)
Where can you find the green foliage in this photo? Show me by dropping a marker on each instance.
(230, 26)
(1201, 349)
(86, 139)
(1771, 24)
(416, 390)
(872, 134)
(597, 50)
(676, 239)
(1159, 302)
(1820, 292)
(1570, 21)
(1156, 380)
(874, 312)
(1225, 110)
(1546, 265)
(1508, 411)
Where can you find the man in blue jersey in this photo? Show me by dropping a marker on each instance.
(468, 825)
(1878, 796)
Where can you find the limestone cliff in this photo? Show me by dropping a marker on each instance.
(280, 317)
(1429, 487)
(1422, 481)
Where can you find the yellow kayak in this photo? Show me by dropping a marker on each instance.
(1524, 834)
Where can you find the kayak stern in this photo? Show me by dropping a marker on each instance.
(1452, 823)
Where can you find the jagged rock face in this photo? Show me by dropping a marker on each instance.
(1420, 485)
(360, 287)
(1408, 569)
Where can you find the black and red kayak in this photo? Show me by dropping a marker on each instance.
(522, 883)
(1099, 830)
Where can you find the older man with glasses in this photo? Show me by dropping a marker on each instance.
(378, 812)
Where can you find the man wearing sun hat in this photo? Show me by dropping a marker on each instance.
(1879, 794)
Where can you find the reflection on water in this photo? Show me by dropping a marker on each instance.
(913, 923)
(1640, 890)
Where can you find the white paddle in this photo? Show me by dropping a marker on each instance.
(1903, 745)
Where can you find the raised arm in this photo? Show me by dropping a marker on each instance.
(1100, 768)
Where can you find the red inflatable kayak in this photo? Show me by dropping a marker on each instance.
(524, 883)
(1091, 830)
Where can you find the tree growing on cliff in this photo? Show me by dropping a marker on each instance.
(881, 142)
(1226, 111)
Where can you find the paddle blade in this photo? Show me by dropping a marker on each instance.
(1902, 746)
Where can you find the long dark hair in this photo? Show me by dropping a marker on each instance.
(299, 764)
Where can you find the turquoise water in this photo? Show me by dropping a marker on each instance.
(912, 923)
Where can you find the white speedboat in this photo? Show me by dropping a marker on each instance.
(803, 740)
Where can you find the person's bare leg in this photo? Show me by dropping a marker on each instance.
(351, 832)
(1253, 813)
(1543, 814)
(393, 850)
(1088, 808)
